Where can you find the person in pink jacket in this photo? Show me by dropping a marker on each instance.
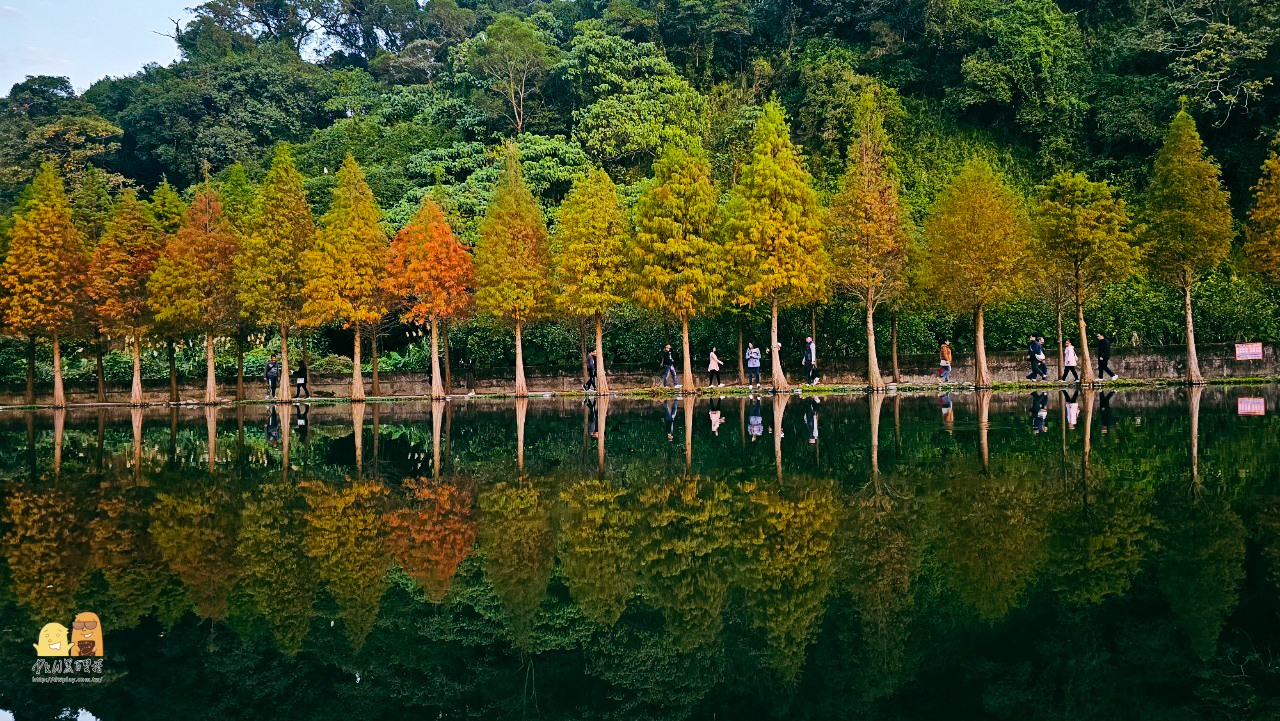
(1069, 362)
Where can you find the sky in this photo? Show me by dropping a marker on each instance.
(83, 39)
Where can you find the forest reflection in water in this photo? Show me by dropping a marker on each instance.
(1009, 555)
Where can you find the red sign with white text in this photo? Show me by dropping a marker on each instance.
(1248, 351)
(1251, 406)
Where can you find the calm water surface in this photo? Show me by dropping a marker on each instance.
(1007, 556)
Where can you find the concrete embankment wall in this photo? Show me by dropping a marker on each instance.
(1168, 362)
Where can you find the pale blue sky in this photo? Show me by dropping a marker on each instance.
(84, 40)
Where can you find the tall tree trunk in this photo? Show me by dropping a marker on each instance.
(876, 402)
(357, 380)
(687, 373)
(59, 422)
(1084, 361)
(211, 432)
(437, 423)
(522, 388)
(135, 391)
(31, 370)
(1088, 394)
(173, 370)
(602, 414)
(1061, 348)
(239, 367)
(448, 366)
(59, 397)
(982, 376)
(135, 418)
(1193, 407)
(742, 363)
(874, 380)
(284, 393)
(893, 343)
(357, 427)
(779, 378)
(373, 348)
(1193, 363)
(602, 385)
(437, 387)
(779, 410)
(582, 344)
(210, 377)
(813, 322)
(99, 371)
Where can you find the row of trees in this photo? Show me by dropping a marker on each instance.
(236, 260)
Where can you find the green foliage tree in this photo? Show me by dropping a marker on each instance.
(514, 58)
(1086, 231)
(866, 224)
(269, 272)
(590, 255)
(678, 267)
(1263, 246)
(977, 237)
(194, 283)
(118, 276)
(345, 268)
(167, 208)
(43, 274)
(772, 228)
(1188, 217)
(513, 258)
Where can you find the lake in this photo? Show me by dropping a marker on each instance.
(1022, 555)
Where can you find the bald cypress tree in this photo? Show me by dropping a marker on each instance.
(513, 273)
(1263, 248)
(122, 264)
(1187, 212)
(269, 274)
(345, 268)
(44, 271)
(772, 228)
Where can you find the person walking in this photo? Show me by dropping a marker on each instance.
(1072, 401)
(668, 362)
(272, 374)
(300, 380)
(755, 419)
(590, 385)
(753, 365)
(1104, 355)
(713, 369)
(717, 418)
(669, 415)
(944, 361)
(1069, 361)
(1035, 354)
(1044, 365)
(810, 360)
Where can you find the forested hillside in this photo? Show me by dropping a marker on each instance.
(423, 95)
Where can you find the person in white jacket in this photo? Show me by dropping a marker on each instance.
(1069, 362)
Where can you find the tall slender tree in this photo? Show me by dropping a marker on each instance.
(590, 253)
(345, 268)
(513, 271)
(167, 208)
(43, 274)
(678, 267)
(432, 276)
(1085, 232)
(772, 228)
(269, 274)
(194, 283)
(977, 238)
(866, 224)
(1188, 217)
(118, 275)
(1263, 246)
(90, 210)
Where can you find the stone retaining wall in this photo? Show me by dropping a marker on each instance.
(1168, 362)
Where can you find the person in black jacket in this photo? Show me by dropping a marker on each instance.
(1104, 355)
(1035, 353)
(668, 362)
(300, 380)
(590, 385)
(272, 374)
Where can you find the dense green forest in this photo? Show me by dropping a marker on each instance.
(423, 95)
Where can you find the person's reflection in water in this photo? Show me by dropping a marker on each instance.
(1104, 410)
(273, 427)
(1039, 411)
(716, 416)
(302, 410)
(755, 421)
(811, 418)
(948, 413)
(1072, 401)
(669, 411)
(593, 427)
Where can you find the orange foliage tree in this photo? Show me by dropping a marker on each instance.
(432, 275)
(434, 536)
